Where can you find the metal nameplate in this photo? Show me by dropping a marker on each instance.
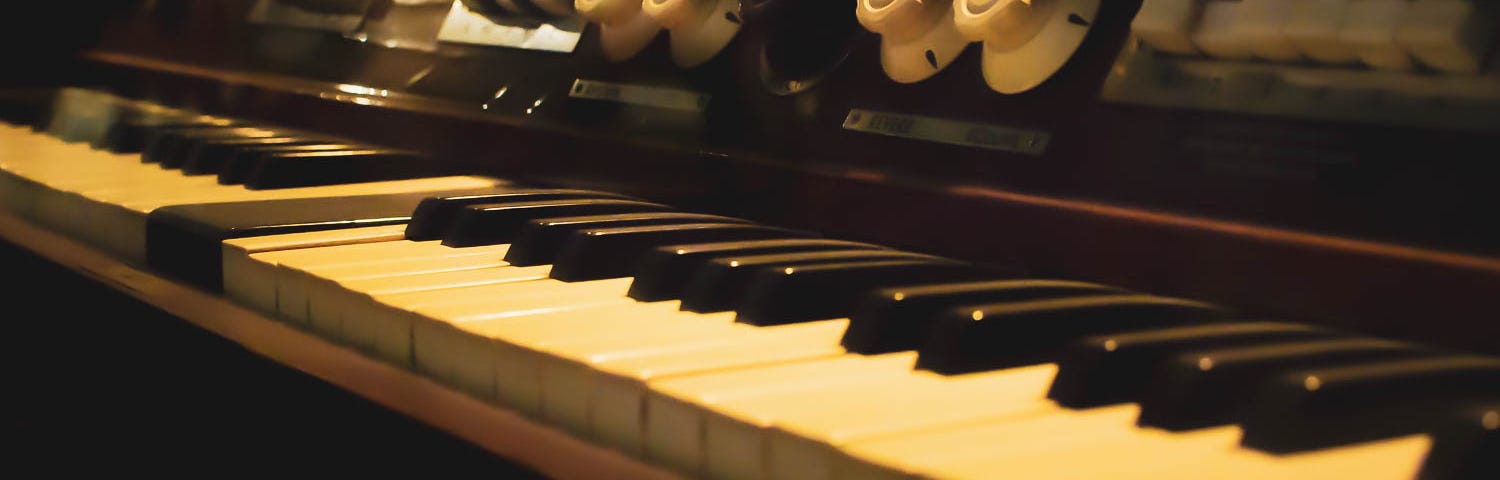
(952, 132)
(659, 97)
(553, 35)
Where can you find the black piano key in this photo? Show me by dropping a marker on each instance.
(897, 319)
(492, 224)
(1012, 334)
(182, 152)
(666, 272)
(1465, 445)
(184, 241)
(542, 239)
(159, 139)
(597, 254)
(128, 135)
(43, 117)
(718, 284)
(307, 169)
(832, 290)
(126, 129)
(434, 216)
(173, 149)
(1210, 387)
(210, 156)
(1327, 407)
(22, 108)
(1110, 369)
(241, 164)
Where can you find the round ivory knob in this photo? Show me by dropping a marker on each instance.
(1026, 42)
(699, 29)
(624, 30)
(899, 18)
(673, 13)
(917, 37)
(1002, 23)
(607, 11)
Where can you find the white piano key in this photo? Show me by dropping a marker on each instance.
(386, 322)
(44, 167)
(742, 429)
(1370, 28)
(435, 320)
(117, 220)
(330, 294)
(697, 343)
(1050, 445)
(919, 454)
(471, 352)
(270, 262)
(1314, 28)
(1168, 25)
(17, 193)
(1212, 453)
(365, 322)
(295, 281)
(1394, 459)
(805, 442)
(676, 407)
(246, 280)
(614, 378)
(618, 405)
(327, 289)
(1453, 36)
(104, 198)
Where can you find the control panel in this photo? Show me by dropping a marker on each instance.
(1365, 117)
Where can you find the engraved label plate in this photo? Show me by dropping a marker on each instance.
(552, 35)
(952, 132)
(669, 98)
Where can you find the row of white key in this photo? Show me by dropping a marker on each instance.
(1452, 36)
(104, 198)
(709, 397)
(696, 392)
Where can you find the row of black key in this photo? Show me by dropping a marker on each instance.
(1292, 387)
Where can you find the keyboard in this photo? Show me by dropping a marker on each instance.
(712, 346)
